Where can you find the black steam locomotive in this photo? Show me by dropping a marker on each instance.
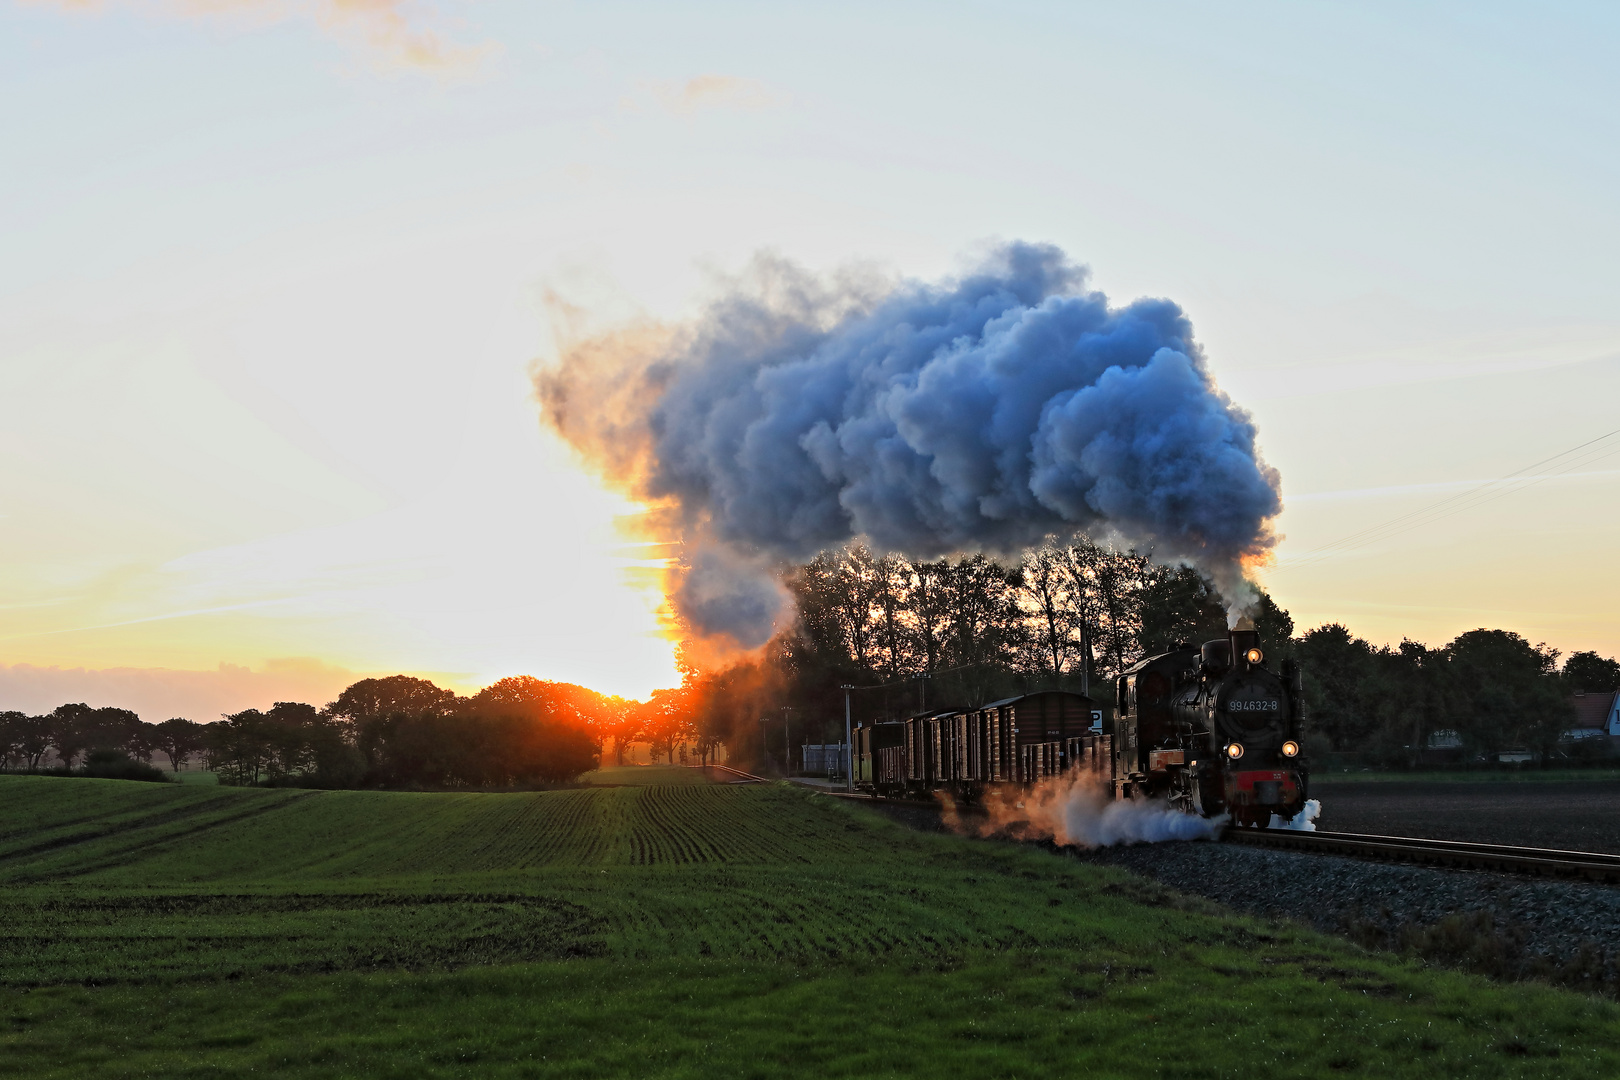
(1212, 730)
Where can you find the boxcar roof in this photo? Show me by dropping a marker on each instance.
(932, 713)
(1036, 694)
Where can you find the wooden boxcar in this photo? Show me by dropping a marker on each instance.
(1015, 741)
(928, 763)
(880, 757)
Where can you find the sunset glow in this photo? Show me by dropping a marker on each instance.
(278, 278)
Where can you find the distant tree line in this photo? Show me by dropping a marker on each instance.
(908, 633)
(389, 732)
(1491, 691)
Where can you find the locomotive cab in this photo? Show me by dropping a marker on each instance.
(1148, 740)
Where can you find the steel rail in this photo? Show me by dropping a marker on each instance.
(746, 777)
(1538, 862)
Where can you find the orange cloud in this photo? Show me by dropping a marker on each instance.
(393, 29)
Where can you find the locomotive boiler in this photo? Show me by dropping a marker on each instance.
(1212, 730)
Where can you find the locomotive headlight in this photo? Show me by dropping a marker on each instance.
(1290, 748)
(1234, 750)
(1254, 656)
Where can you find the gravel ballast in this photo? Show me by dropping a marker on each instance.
(1495, 924)
(1502, 925)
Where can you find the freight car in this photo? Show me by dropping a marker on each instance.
(1017, 740)
(880, 759)
(1211, 730)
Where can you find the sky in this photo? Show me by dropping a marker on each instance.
(274, 277)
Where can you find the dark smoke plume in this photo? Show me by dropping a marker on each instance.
(986, 413)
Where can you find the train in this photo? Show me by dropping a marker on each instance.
(1211, 730)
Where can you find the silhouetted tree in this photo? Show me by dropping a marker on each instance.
(1340, 680)
(178, 739)
(1108, 589)
(34, 739)
(1274, 625)
(1503, 692)
(73, 730)
(544, 728)
(1592, 674)
(239, 747)
(1179, 604)
(1056, 613)
(11, 736)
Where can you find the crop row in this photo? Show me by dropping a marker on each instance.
(226, 835)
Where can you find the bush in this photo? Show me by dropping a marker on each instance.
(117, 765)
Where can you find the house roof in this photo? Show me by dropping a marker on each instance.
(1593, 710)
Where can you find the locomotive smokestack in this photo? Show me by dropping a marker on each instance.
(1245, 641)
(981, 414)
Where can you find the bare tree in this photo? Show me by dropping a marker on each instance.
(857, 580)
(1054, 610)
(985, 623)
(929, 611)
(890, 593)
(1108, 587)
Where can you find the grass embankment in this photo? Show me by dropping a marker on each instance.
(755, 930)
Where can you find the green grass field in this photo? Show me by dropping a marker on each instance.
(645, 776)
(673, 929)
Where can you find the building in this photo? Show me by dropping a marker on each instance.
(820, 759)
(1596, 715)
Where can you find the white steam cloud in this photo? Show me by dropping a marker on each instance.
(1075, 811)
(1304, 821)
(981, 414)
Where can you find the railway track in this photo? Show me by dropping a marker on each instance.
(1458, 854)
(1454, 854)
(735, 776)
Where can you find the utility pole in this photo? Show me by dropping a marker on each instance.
(787, 740)
(849, 745)
(1085, 656)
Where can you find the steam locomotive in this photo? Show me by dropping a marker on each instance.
(1211, 730)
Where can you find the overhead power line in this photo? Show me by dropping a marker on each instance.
(1560, 464)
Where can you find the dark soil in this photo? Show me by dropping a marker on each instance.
(1576, 815)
